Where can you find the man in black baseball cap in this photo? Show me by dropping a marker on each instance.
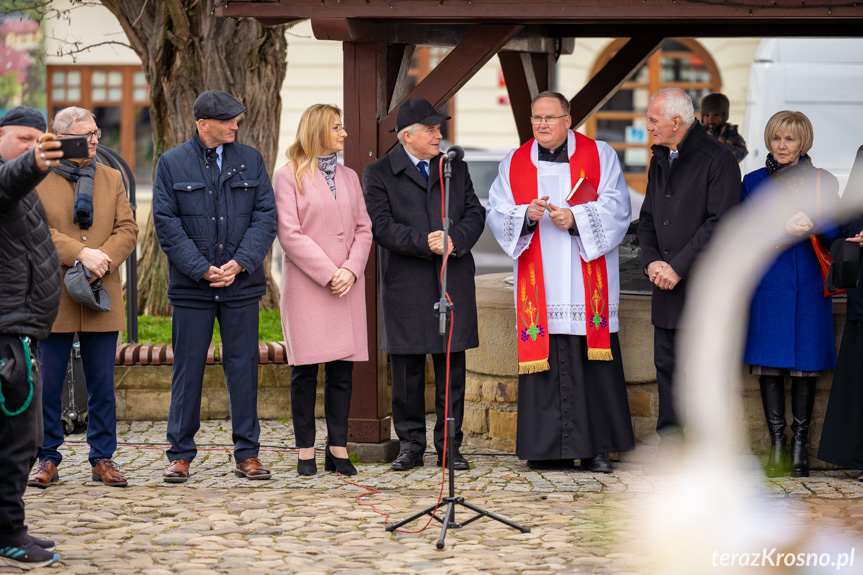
(215, 215)
(418, 111)
(403, 197)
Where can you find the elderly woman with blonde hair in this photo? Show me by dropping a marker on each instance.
(790, 320)
(326, 235)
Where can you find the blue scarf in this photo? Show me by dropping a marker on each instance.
(83, 178)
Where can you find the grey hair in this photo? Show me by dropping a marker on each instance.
(676, 102)
(413, 129)
(68, 116)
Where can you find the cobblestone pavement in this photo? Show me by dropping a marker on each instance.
(218, 523)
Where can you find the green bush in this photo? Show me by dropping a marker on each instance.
(158, 329)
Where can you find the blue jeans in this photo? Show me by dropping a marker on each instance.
(97, 359)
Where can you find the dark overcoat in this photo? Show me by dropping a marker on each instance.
(682, 207)
(404, 210)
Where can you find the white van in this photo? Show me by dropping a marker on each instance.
(823, 78)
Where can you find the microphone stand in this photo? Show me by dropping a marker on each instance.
(443, 309)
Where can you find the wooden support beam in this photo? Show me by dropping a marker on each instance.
(399, 58)
(454, 71)
(606, 82)
(526, 75)
(521, 87)
(364, 74)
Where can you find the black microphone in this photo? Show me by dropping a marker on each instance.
(454, 153)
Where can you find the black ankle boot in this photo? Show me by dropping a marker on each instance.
(333, 463)
(802, 402)
(773, 401)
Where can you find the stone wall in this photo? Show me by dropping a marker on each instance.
(492, 374)
(144, 391)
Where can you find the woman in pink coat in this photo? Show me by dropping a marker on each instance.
(326, 235)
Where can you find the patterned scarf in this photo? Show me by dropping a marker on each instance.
(774, 168)
(83, 178)
(327, 166)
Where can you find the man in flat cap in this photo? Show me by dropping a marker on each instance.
(215, 215)
(403, 197)
(28, 306)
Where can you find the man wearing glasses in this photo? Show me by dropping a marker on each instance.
(560, 207)
(91, 223)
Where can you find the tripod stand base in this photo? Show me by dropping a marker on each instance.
(448, 520)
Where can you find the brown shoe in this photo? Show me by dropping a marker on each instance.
(44, 474)
(177, 472)
(106, 471)
(251, 468)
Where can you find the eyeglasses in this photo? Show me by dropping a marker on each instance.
(537, 120)
(89, 135)
(338, 127)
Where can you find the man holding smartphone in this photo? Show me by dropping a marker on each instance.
(27, 310)
(91, 223)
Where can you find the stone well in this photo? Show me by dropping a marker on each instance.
(492, 373)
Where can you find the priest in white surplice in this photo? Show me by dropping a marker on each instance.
(572, 401)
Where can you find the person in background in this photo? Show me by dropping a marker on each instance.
(91, 223)
(714, 119)
(326, 236)
(27, 310)
(790, 321)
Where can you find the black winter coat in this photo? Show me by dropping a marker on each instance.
(681, 210)
(31, 286)
(404, 210)
(204, 218)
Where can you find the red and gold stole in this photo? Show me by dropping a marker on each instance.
(532, 323)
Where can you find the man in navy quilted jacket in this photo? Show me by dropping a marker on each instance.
(215, 215)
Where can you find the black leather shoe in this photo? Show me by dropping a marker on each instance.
(459, 462)
(407, 460)
(599, 463)
(550, 464)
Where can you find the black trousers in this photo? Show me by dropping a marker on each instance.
(191, 333)
(338, 378)
(669, 423)
(409, 398)
(20, 442)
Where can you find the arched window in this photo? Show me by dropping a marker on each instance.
(622, 121)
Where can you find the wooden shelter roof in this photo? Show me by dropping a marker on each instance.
(379, 38)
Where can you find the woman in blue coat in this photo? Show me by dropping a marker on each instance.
(790, 321)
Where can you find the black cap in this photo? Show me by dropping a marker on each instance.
(217, 105)
(417, 111)
(24, 116)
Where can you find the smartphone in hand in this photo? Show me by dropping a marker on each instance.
(74, 147)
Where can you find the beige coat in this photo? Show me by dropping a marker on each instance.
(114, 231)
